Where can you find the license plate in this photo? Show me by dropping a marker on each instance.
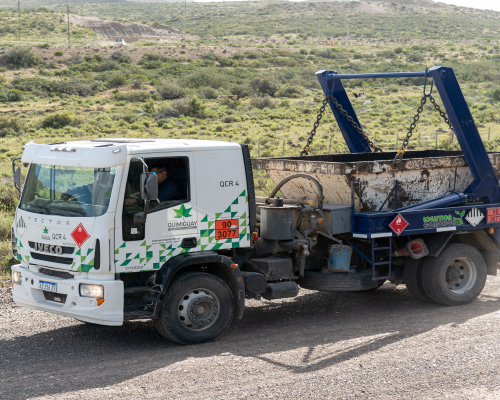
(47, 286)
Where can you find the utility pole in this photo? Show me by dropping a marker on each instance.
(319, 30)
(69, 32)
(347, 37)
(185, 11)
(19, 17)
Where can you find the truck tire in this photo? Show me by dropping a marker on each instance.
(197, 308)
(338, 281)
(457, 276)
(413, 279)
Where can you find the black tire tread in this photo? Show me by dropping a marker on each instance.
(413, 279)
(170, 332)
(433, 281)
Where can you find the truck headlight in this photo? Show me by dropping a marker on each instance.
(16, 277)
(95, 291)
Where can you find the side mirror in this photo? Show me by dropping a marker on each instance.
(16, 172)
(149, 186)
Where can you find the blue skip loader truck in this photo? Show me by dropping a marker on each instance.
(95, 241)
(428, 219)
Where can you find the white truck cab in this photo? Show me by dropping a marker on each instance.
(92, 244)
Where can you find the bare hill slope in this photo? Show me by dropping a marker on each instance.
(130, 32)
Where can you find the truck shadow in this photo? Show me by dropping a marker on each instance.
(82, 356)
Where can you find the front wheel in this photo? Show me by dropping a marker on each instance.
(457, 276)
(197, 308)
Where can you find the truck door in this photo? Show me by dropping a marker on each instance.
(171, 226)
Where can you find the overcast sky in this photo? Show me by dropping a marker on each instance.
(484, 4)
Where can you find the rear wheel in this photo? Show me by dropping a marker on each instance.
(197, 308)
(413, 279)
(457, 276)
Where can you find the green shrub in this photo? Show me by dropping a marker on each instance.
(116, 79)
(15, 95)
(151, 61)
(495, 94)
(262, 102)
(264, 86)
(190, 108)
(9, 197)
(58, 53)
(60, 120)
(415, 56)
(120, 58)
(166, 112)
(5, 226)
(206, 77)
(6, 258)
(11, 126)
(45, 87)
(19, 57)
(231, 103)
(170, 91)
(291, 91)
(209, 93)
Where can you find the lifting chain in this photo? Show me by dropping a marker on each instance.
(443, 115)
(399, 155)
(354, 124)
(315, 126)
(346, 115)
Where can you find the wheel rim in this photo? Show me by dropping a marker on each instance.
(198, 309)
(461, 275)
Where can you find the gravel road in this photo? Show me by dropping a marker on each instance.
(372, 345)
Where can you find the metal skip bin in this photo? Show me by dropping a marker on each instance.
(377, 183)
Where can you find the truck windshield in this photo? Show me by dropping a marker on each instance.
(67, 191)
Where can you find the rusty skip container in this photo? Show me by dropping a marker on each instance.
(421, 176)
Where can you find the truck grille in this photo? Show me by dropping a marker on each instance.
(51, 258)
(58, 274)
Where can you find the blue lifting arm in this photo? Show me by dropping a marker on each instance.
(485, 185)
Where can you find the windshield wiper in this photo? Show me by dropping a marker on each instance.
(77, 212)
(49, 201)
(31, 205)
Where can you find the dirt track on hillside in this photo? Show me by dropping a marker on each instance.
(377, 345)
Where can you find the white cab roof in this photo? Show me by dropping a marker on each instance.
(105, 153)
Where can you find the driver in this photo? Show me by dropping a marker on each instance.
(167, 187)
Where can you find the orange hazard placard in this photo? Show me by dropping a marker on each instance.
(493, 215)
(226, 229)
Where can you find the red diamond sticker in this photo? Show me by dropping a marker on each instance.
(80, 235)
(399, 224)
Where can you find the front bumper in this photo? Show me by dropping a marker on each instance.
(70, 303)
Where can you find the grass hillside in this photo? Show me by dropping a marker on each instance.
(50, 93)
(40, 26)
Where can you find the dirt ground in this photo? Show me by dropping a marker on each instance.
(371, 345)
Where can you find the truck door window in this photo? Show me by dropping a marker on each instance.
(173, 189)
